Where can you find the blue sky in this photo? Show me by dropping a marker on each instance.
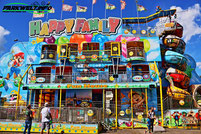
(16, 25)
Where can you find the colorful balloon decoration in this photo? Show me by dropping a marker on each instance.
(100, 39)
(49, 40)
(77, 38)
(88, 37)
(62, 40)
(38, 39)
(146, 45)
(118, 38)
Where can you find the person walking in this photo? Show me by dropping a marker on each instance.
(198, 116)
(151, 117)
(46, 118)
(28, 121)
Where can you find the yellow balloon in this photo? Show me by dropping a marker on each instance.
(38, 40)
(146, 45)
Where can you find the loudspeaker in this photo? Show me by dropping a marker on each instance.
(60, 76)
(25, 88)
(152, 86)
(115, 48)
(115, 75)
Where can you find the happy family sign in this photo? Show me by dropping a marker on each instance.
(70, 26)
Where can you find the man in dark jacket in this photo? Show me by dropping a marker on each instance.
(28, 121)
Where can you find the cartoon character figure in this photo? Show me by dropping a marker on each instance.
(16, 62)
(137, 99)
(184, 117)
(191, 117)
(176, 115)
(198, 116)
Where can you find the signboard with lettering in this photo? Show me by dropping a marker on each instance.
(55, 127)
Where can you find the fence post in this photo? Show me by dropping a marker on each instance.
(146, 100)
(132, 107)
(103, 105)
(116, 106)
(60, 104)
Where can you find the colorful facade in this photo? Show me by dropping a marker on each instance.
(111, 64)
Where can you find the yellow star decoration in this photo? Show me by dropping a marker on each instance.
(33, 42)
(116, 86)
(124, 41)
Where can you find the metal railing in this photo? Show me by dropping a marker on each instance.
(187, 103)
(86, 77)
(63, 114)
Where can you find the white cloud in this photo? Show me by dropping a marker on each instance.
(3, 33)
(16, 49)
(187, 18)
(153, 55)
(198, 64)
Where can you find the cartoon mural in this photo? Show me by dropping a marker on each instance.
(183, 117)
(37, 51)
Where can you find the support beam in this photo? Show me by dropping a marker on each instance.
(60, 97)
(40, 98)
(161, 93)
(146, 100)
(30, 94)
(103, 105)
(18, 92)
(116, 107)
(132, 107)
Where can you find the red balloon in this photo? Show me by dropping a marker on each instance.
(77, 38)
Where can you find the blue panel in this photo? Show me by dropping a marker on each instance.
(56, 98)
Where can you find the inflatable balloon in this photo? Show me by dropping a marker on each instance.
(118, 38)
(88, 37)
(38, 39)
(146, 45)
(62, 40)
(77, 38)
(95, 34)
(100, 39)
(49, 40)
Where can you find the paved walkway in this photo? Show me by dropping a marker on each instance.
(138, 131)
